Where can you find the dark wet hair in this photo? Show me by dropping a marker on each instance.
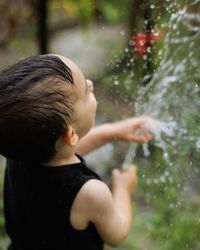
(35, 107)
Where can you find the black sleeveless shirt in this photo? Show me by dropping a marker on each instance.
(37, 205)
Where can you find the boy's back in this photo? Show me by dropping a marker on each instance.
(38, 202)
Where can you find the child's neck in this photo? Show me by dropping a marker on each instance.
(59, 161)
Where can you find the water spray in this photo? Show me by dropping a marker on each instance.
(157, 129)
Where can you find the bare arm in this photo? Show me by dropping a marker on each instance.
(130, 130)
(110, 212)
(97, 137)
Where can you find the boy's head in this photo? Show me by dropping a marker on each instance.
(43, 99)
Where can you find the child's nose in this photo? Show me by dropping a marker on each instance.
(90, 85)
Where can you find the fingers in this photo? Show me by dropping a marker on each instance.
(129, 168)
(125, 178)
(140, 134)
(132, 168)
(141, 138)
(116, 171)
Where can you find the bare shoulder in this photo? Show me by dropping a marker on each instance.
(93, 197)
(94, 203)
(95, 190)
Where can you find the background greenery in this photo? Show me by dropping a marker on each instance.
(166, 213)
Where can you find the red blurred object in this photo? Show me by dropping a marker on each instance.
(141, 41)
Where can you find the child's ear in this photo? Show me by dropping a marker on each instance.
(71, 137)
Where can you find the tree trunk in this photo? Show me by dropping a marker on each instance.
(42, 34)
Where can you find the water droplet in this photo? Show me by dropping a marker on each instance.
(116, 82)
(131, 42)
(162, 179)
(174, 27)
(146, 149)
(145, 57)
(126, 50)
(148, 49)
(198, 143)
(122, 32)
(165, 155)
(152, 6)
(181, 12)
(166, 173)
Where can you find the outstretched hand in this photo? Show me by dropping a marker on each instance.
(129, 130)
(132, 130)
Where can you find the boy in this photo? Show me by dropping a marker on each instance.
(52, 200)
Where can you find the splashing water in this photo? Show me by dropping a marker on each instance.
(158, 129)
(173, 95)
(170, 170)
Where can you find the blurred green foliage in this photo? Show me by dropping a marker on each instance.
(166, 215)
